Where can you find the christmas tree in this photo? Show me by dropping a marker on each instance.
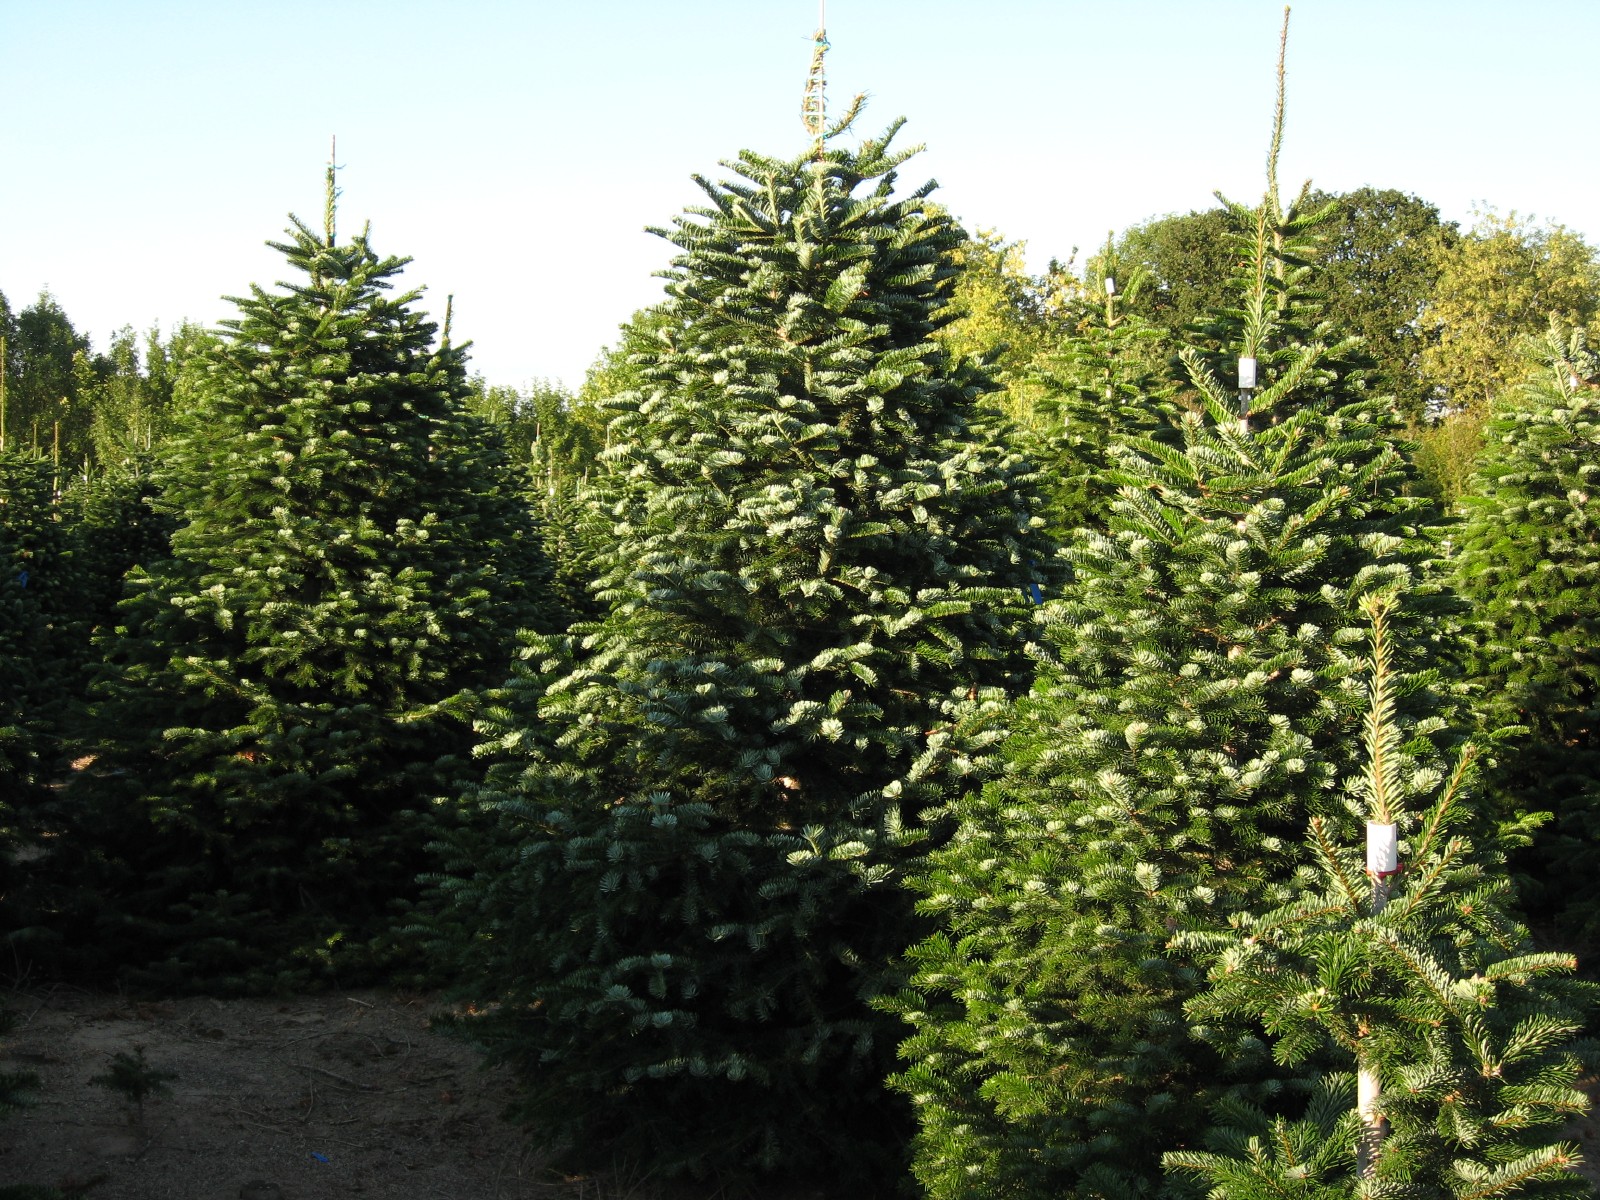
(1529, 563)
(819, 585)
(1206, 688)
(114, 528)
(1408, 968)
(282, 701)
(38, 634)
(1106, 376)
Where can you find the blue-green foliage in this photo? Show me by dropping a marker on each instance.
(1104, 377)
(1423, 980)
(1204, 687)
(276, 713)
(1529, 563)
(683, 895)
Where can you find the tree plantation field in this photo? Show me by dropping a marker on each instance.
(903, 727)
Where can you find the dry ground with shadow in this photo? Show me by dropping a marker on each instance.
(340, 1096)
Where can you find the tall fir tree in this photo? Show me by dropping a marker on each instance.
(283, 699)
(819, 583)
(1205, 689)
(1529, 564)
(41, 656)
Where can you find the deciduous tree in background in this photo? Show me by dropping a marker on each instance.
(1377, 266)
(1002, 318)
(1498, 285)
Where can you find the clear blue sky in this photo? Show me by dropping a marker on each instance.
(517, 150)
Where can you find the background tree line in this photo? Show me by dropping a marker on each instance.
(1442, 313)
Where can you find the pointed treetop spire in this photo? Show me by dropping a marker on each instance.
(814, 105)
(330, 201)
(1277, 114)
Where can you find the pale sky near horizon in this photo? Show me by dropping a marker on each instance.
(517, 150)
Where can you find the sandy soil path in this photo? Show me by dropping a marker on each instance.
(347, 1095)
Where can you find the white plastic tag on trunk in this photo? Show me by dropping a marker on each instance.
(1383, 848)
(1247, 374)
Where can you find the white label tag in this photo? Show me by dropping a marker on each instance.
(1383, 848)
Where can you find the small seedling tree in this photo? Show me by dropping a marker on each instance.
(133, 1078)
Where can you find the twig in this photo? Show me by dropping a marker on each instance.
(262, 1125)
(304, 1037)
(350, 1083)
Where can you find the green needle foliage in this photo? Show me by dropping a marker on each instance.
(1158, 776)
(284, 698)
(1530, 565)
(1103, 378)
(38, 631)
(1470, 1034)
(685, 897)
(114, 529)
(133, 1078)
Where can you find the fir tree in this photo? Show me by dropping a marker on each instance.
(816, 587)
(1420, 978)
(114, 528)
(1529, 563)
(1103, 378)
(38, 586)
(1158, 775)
(281, 701)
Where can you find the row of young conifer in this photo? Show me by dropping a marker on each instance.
(844, 775)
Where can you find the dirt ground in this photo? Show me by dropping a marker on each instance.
(339, 1097)
(347, 1096)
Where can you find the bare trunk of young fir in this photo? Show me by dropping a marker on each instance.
(1383, 861)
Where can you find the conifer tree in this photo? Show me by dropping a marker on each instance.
(1529, 564)
(38, 585)
(1199, 708)
(39, 654)
(281, 701)
(818, 583)
(114, 528)
(1104, 377)
(1421, 979)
